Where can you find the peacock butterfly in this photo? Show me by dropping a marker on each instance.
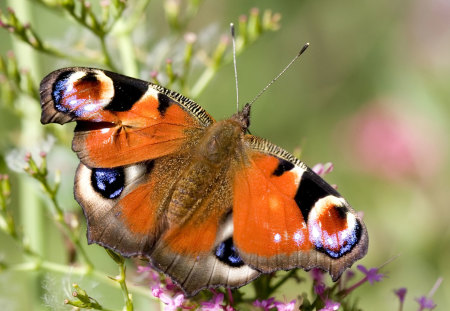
(206, 203)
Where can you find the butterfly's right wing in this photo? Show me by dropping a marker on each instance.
(286, 216)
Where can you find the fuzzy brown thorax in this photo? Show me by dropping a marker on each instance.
(210, 159)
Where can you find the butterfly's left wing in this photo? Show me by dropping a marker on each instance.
(286, 216)
(122, 215)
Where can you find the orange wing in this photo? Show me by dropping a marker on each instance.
(120, 120)
(286, 216)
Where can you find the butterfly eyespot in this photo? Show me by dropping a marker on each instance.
(108, 182)
(227, 253)
(333, 229)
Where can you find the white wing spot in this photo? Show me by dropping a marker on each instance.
(277, 237)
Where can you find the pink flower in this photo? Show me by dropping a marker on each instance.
(157, 291)
(265, 305)
(172, 303)
(394, 142)
(214, 304)
(425, 303)
(143, 269)
(285, 306)
(372, 274)
(330, 305)
(323, 169)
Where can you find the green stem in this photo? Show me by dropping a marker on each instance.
(59, 217)
(203, 81)
(81, 271)
(32, 211)
(133, 20)
(107, 57)
(121, 279)
(126, 50)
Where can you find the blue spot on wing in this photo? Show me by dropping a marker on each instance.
(108, 182)
(226, 252)
(59, 90)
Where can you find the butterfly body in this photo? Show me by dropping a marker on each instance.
(206, 203)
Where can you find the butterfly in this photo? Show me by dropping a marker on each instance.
(204, 201)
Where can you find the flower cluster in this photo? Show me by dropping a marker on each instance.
(324, 297)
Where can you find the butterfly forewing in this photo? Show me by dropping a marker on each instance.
(120, 120)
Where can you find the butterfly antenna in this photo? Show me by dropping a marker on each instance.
(233, 38)
(303, 49)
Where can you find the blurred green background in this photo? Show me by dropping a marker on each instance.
(371, 95)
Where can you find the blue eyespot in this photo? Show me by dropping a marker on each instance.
(109, 182)
(337, 246)
(227, 253)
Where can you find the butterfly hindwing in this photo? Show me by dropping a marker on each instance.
(219, 266)
(120, 120)
(295, 218)
(117, 206)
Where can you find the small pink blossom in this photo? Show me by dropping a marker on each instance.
(154, 74)
(323, 169)
(285, 306)
(143, 269)
(330, 305)
(157, 291)
(214, 304)
(172, 303)
(265, 305)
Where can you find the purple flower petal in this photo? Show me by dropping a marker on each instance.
(401, 293)
(425, 303)
(319, 288)
(317, 275)
(372, 275)
(318, 168)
